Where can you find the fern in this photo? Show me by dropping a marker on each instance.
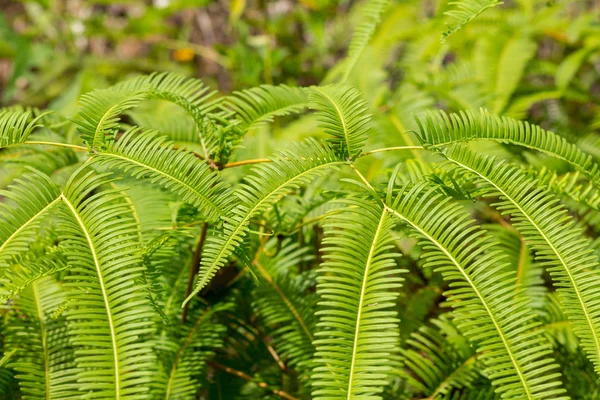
(16, 126)
(342, 114)
(560, 246)
(113, 360)
(488, 313)
(356, 329)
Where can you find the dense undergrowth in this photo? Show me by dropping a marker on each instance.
(397, 231)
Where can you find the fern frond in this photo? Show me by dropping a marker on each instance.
(482, 291)
(465, 12)
(440, 359)
(31, 197)
(286, 307)
(100, 114)
(16, 126)
(44, 361)
(560, 245)
(184, 357)
(343, 114)
(371, 15)
(267, 184)
(259, 105)
(148, 155)
(110, 314)
(357, 331)
(438, 130)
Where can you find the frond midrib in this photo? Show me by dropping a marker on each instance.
(479, 295)
(549, 242)
(111, 326)
(362, 297)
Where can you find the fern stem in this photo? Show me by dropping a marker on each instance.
(71, 146)
(246, 162)
(194, 268)
(248, 378)
(368, 153)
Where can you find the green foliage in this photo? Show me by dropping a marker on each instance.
(330, 224)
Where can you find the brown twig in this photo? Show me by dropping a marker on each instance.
(248, 378)
(195, 267)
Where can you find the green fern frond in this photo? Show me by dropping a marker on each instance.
(286, 307)
(482, 291)
(31, 197)
(358, 283)
(267, 184)
(183, 358)
(148, 155)
(440, 359)
(371, 15)
(110, 314)
(16, 126)
(438, 130)
(465, 12)
(100, 114)
(560, 245)
(44, 361)
(343, 114)
(259, 105)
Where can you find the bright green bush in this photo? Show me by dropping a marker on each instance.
(398, 232)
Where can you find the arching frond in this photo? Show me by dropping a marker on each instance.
(44, 360)
(286, 307)
(482, 291)
(343, 114)
(100, 114)
(438, 129)
(362, 34)
(439, 359)
(357, 331)
(16, 126)
(560, 245)
(259, 105)
(30, 198)
(267, 184)
(146, 154)
(464, 12)
(110, 314)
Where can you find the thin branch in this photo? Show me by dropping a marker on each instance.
(194, 268)
(248, 378)
(246, 162)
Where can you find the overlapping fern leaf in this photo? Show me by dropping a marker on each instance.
(358, 282)
(183, 355)
(260, 104)
(439, 129)
(439, 359)
(44, 359)
(145, 154)
(16, 126)
(110, 316)
(286, 306)
(561, 246)
(30, 198)
(264, 187)
(343, 114)
(482, 291)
